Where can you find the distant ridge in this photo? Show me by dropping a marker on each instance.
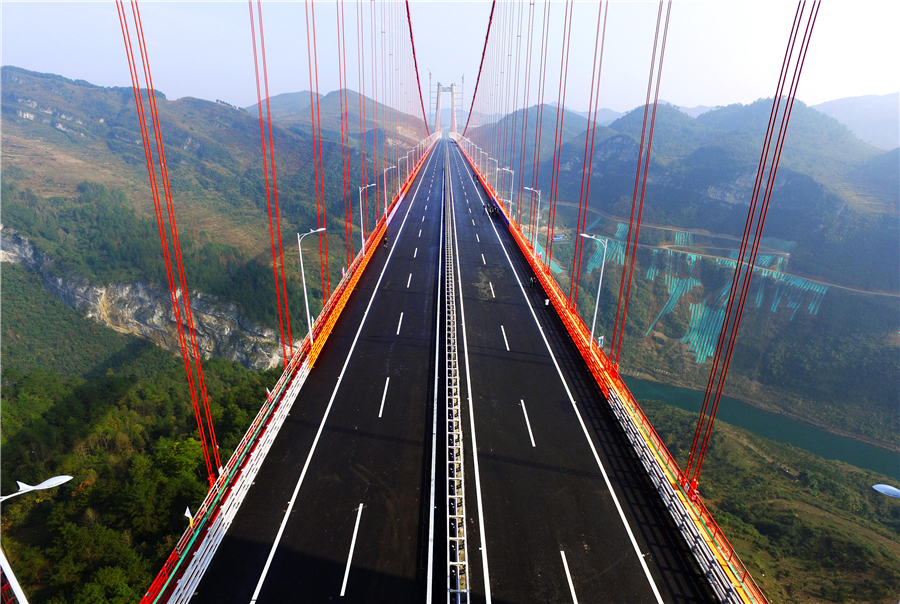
(872, 118)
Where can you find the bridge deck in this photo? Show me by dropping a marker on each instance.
(334, 452)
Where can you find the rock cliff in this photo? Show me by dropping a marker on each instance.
(143, 310)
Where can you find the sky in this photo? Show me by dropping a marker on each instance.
(718, 52)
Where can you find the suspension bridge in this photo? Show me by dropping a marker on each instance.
(449, 429)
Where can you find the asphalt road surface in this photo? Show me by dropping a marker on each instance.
(558, 506)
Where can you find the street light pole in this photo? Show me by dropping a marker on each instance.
(512, 176)
(303, 278)
(4, 563)
(384, 186)
(496, 170)
(362, 228)
(399, 172)
(538, 220)
(605, 243)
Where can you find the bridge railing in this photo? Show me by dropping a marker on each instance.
(727, 574)
(205, 519)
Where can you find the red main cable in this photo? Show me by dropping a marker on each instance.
(637, 229)
(132, 66)
(483, 52)
(412, 44)
(587, 162)
(287, 314)
(619, 324)
(262, 137)
(175, 241)
(748, 225)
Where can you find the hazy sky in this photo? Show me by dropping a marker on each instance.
(718, 52)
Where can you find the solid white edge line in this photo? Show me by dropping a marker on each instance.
(462, 313)
(337, 386)
(527, 423)
(352, 546)
(399, 324)
(584, 429)
(384, 396)
(437, 347)
(492, 289)
(569, 576)
(408, 281)
(505, 341)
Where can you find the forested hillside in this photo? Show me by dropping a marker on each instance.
(819, 340)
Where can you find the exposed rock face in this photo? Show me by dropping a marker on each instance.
(139, 309)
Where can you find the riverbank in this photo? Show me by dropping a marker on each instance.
(777, 427)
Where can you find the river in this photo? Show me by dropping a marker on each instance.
(776, 427)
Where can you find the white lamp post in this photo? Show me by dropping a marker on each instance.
(512, 176)
(362, 229)
(399, 178)
(303, 277)
(538, 221)
(4, 563)
(384, 186)
(605, 244)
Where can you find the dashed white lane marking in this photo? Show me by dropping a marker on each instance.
(470, 210)
(584, 429)
(568, 574)
(482, 259)
(420, 232)
(384, 396)
(415, 253)
(337, 386)
(423, 219)
(492, 289)
(399, 324)
(473, 222)
(527, 423)
(478, 239)
(505, 341)
(408, 281)
(352, 546)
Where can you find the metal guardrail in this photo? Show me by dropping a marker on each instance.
(184, 567)
(724, 569)
(457, 546)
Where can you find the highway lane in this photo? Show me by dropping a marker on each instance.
(555, 529)
(339, 505)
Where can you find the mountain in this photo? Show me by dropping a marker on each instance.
(604, 116)
(75, 184)
(819, 335)
(291, 111)
(873, 118)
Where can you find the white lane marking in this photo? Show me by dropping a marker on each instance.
(527, 423)
(477, 238)
(399, 324)
(408, 280)
(492, 289)
(480, 505)
(423, 219)
(482, 259)
(584, 429)
(426, 207)
(384, 396)
(420, 232)
(434, 425)
(470, 210)
(473, 222)
(350, 556)
(505, 341)
(293, 500)
(416, 253)
(568, 575)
